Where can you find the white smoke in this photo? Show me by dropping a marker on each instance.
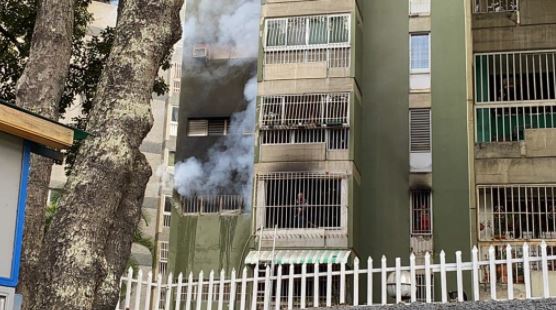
(229, 167)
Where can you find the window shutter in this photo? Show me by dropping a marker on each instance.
(217, 127)
(420, 130)
(197, 128)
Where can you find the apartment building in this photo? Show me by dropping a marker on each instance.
(159, 148)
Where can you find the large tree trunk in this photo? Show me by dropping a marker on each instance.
(109, 175)
(39, 89)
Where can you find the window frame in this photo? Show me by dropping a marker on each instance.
(419, 70)
(423, 13)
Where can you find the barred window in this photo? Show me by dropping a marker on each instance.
(420, 130)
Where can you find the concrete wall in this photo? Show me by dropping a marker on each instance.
(543, 304)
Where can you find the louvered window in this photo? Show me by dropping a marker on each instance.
(420, 130)
(207, 127)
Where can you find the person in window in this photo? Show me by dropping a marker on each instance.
(301, 211)
(425, 221)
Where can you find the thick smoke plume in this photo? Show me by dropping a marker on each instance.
(229, 167)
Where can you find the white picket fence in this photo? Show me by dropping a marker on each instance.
(290, 290)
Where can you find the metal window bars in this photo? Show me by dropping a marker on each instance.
(208, 204)
(421, 212)
(335, 139)
(496, 6)
(495, 123)
(164, 250)
(302, 201)
(515, 76)
(516, 212)
(309, 39)
(312, 110)
(421, 286)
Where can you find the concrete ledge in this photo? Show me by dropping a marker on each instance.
(540, 304)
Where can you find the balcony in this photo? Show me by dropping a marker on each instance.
(495, 6)
(212, 205)
(307, 47)
(301, 206)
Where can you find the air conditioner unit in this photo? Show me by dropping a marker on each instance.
(200, 51)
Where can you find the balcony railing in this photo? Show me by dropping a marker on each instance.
(510, 77)
(333, 138)
(495, 6)
(507, 123)
(210, 204)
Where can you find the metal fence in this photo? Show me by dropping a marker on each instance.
(495, 6)
(341, 284)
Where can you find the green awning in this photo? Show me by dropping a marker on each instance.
(284, 257)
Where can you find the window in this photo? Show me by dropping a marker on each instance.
(302, 201)
(420, 53)
(164, 250)
(508, 124)
(516, 212)
(420, 130)
(496, 6)
(421, 287)
(421, 212)
(515, 76)
(171, 158)
(419, 7)
(167, 213)
(207, 127)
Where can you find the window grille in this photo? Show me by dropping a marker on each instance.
(420, 53)
(164, 249)
(167, 213)
(305, 110)
(200, 51)
(419, 7)
(207, 127)
(308, 39)
(421, 212)
(163, 268)
(420, 130)
(335, 139)
(508, 123)
(516, 212)
(302, 200)
(515, 76)
(212, 204)
(496, 6)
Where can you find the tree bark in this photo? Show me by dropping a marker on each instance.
(77, 260)
(39, 89)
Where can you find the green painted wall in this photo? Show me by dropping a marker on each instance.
(382, 215)
(449, 135)
(208, 242)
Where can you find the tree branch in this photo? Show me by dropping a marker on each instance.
(12, 39)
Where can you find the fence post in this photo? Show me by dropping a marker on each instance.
(443, 287)
(168, 292)
(356, 281)
(138, 290)
(342, 283)
(492, 274)
(370, 281)
(398, 280)
(221, 289)
(290, 288)
(509, 272)
(119, 290)
(128, 288)
(267, 288)
(278, 298)
(413, 278)
(158, 288)
(546, 288)
(316, 269)
(428, 289)
(200, 290)
(329, 285)
(189, 291)
(383, 299)
(178, 291)
(210, 290)
(303, 285)
(149, 289)
(232, 290)
(459, 276)
(475, 266)
(243, 289)
(526, 271)
(255, 287)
